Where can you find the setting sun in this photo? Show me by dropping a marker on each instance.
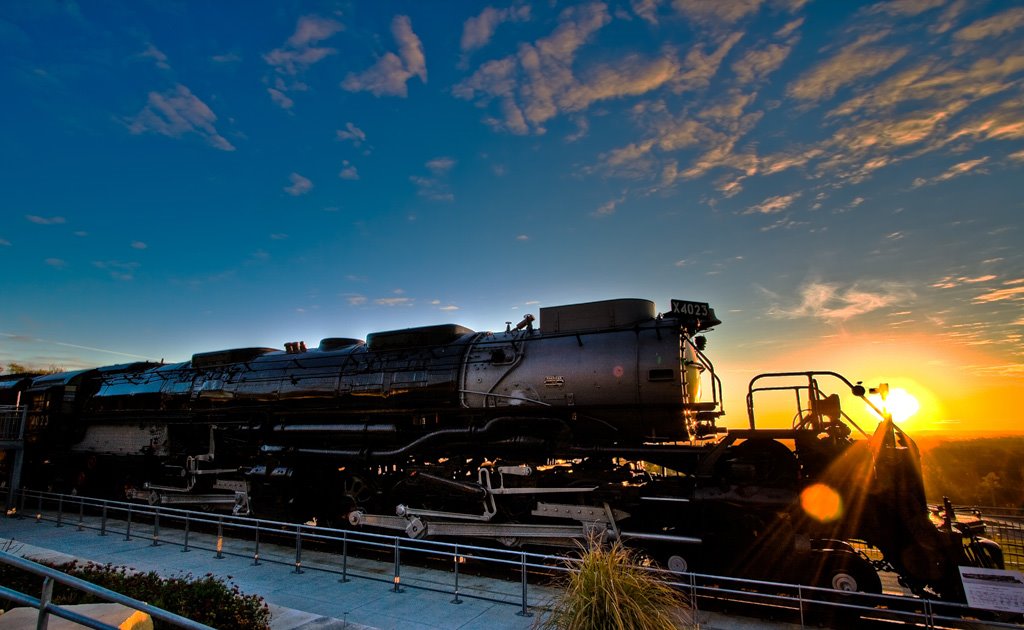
(899, 403)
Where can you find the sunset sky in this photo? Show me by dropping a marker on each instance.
(841, 181)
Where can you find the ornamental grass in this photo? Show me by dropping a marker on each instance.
(609, 590)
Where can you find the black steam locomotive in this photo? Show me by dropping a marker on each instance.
(591, 422)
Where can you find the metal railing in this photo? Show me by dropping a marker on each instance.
(46, 607)
(1006, 527)
(10, 422)
(277, 542)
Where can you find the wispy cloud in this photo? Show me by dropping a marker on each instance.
(773, 205)
(435, 186)
(4, 242)
(348, 171)
(535, 83)
(394, 301)
(138, 245)
(833, 303)
(353, 134)
(45, 220)
(158, 57)
(478, 30)
(716, 13)
(853, 63)
(956, 170)
(178, 112)
(950, 282)
(390, 75)
(299, 52)
(1013, 291)
(226, 58)
(56, 263)
(118, 270)
(26, 338)
(994, 26)
(299, 185)
(608, 208)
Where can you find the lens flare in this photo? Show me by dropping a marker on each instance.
(821, 503)
(900, 403)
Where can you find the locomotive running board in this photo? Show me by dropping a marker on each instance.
(415, 527)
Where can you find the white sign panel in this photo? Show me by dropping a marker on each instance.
(994, 589)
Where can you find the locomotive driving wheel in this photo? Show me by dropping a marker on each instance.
(357, 490)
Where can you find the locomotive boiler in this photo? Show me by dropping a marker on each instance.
(598, 419)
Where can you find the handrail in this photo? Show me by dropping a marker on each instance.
(795, 598)
(12, 422)
(46, 607)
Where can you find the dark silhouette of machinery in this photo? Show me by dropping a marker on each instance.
(601, 420)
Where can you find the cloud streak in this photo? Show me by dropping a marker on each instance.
(833, 303)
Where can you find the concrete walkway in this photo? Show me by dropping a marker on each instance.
(313, 599)
(316, 598)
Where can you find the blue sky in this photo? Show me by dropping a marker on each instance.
(840, 180)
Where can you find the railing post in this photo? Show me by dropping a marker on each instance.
(39, 509)
(693, 595)
(298, 549)
(44, 603)
(800, 603)
(81, 513)
(398, 568)
(103, 520)
(344, 557)
(524, 612)
(128, 528)
(24, 494)
(256, 553)
(185, 547)
(60, 511)
(220, 538)
(156, 528)
(456, 600)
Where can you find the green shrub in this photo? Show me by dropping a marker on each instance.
(609, 590)
(208, 599)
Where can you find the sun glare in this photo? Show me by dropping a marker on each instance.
(821, 503)
(900, 403)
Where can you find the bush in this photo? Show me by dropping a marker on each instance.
(610, 590)
(208, 599)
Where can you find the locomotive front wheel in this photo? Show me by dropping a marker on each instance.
(844, 581)
(677, 564)
(851, 578)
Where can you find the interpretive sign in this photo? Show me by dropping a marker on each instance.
(994, 589)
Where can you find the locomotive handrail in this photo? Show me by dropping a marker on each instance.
(487, 394)
(12, 422)
(716, 382)
(810, 385)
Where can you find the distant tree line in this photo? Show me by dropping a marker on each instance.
(20, 368)
(983, 471)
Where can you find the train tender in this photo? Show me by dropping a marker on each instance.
(600, 419)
